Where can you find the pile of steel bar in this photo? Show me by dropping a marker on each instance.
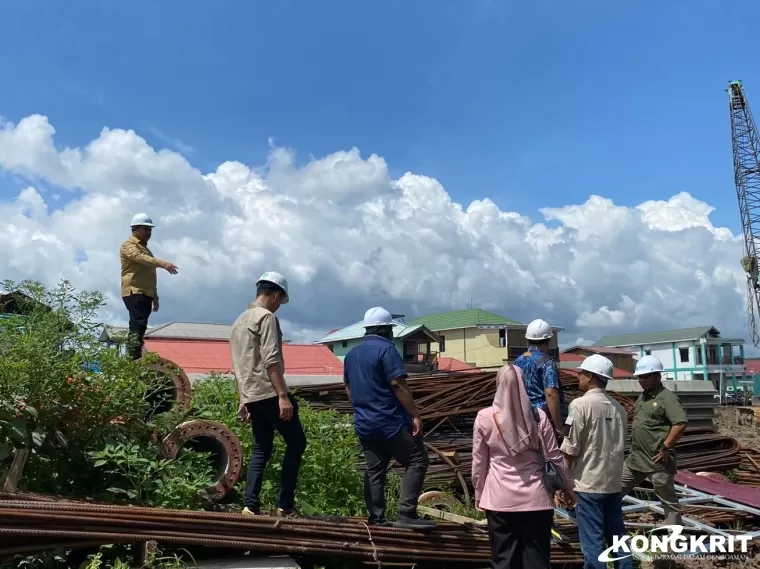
(30, 526)
(748, 472)
(449, 402)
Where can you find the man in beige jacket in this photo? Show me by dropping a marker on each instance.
(265, 400)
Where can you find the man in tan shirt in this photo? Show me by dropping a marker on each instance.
(138, 280)
(265, 400)
(594, 444)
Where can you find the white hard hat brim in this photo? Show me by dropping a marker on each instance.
(286, 298)
(143, 225)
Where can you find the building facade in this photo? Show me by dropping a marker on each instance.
(479, 338)
(689, 353)
(415, 343)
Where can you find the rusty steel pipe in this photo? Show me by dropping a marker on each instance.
(213, 437)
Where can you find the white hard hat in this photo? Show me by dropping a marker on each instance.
(276, 278)
(142, 219)
(648, 364)
(538, 330)
(377, 316)
(598, 365)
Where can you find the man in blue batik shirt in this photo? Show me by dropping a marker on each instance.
(541, 376)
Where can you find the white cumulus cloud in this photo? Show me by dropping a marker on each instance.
(349, 236)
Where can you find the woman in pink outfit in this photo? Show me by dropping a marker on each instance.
(507, 474)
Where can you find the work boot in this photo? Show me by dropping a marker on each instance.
(379, 523)
(250, 513)
(414, 522)
(280, 513)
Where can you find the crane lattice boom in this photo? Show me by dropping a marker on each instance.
(746, 150)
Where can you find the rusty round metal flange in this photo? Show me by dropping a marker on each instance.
(177, 381)
(209, 436)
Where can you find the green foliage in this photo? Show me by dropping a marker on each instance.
(64, 393)
(136, 474)
(328, 482)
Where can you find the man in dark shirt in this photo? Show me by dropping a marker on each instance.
(386, 420)
(658, 423)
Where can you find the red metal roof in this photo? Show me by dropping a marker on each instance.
(752, 366)
(617, 373)
(747, 495)
(204, 356)
(452, 364)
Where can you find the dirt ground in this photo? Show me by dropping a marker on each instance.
(725, 421)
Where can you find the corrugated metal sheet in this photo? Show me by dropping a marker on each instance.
(682, 334)
(747, 495)
(191, 331)
(471, 318)
(206, 356)
(400, 330)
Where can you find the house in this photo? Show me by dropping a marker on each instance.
(413, 341)
(620, 358)
(200, 349)
(570, 360)
(479, 338)
(688, 353)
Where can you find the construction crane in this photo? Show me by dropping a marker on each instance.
(746, 150)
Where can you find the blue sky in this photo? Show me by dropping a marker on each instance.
(532, 104)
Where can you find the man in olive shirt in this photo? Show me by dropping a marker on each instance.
(265, 400)
(138, 280)
(658, 423)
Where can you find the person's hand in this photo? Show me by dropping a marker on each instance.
(662, 456)
(243, 414)
(286, 408)
(171, 268)
(416, 427)
(477, 506)
(155, 305)
(570, 499)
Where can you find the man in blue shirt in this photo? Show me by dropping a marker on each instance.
(541, 376)
(386, 420)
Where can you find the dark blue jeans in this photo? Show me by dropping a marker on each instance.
(265, 419)
(599, 517)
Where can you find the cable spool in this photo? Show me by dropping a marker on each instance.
(177, 395)
(216, 439)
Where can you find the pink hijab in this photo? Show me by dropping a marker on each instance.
(512, 411)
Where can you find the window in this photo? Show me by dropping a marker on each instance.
(442, 345)
(502, 338)
(684, 354)
(344, 344)
(647, 352)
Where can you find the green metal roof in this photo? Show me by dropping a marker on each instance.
(665, 336)
(463, 319)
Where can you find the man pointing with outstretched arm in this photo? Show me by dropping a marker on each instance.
(139, 288)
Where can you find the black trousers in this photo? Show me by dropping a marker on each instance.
(520, 540)
(265, 419)
(410, 453)
(139, 307)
